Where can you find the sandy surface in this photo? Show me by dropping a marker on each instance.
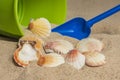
(107, 31)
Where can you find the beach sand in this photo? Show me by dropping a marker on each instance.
(108, 31)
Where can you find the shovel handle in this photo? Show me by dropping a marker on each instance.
(103, 15)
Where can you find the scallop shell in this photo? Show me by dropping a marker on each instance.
(36, 42)
(59, 46)
(89, 45)
(95, 59)
(51, 60)
(75, 58)
(40, 27)
(24, 55)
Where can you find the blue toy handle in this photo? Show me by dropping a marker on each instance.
(103, 15)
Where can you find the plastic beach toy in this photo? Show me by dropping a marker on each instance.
(17, 13)
(79, 28)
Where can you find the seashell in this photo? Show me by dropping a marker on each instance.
(35, 42)
(75, 58)
(40, 27)
(25, 54)
(59, 46)
(50, 60)
(89, 45)
(94, 59)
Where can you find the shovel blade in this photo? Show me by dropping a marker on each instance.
(75, 28)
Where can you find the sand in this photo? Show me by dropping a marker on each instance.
(107, 31)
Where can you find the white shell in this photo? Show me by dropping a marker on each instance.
(24, 55)
(75, 58)
(95, 59)
(40, 27)
(27, 53)
(51, 60)
(59, 46)
(36, 42)
(89, 45)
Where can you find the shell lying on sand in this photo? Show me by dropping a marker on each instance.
(89, 45)
(59, 46)
(29, 49)
(24, 55)
(75, 58)
(36, 42)
(50, 60)
(40, 27)
(95, 59)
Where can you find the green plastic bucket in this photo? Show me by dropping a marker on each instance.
(17, 13)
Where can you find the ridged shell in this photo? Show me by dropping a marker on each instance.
(75, 58)
(59, 46)
(24, 55)
(40, 27)
(89, 45)
(51, 60)
(95, 59)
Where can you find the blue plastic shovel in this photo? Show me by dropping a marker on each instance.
(79, 28)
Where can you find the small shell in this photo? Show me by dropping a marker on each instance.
(75, 58)
(89, 45)
(51, 60)
(40, 27)
(24, 55)
(59, 46)
(36, 42)
(94, 59)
